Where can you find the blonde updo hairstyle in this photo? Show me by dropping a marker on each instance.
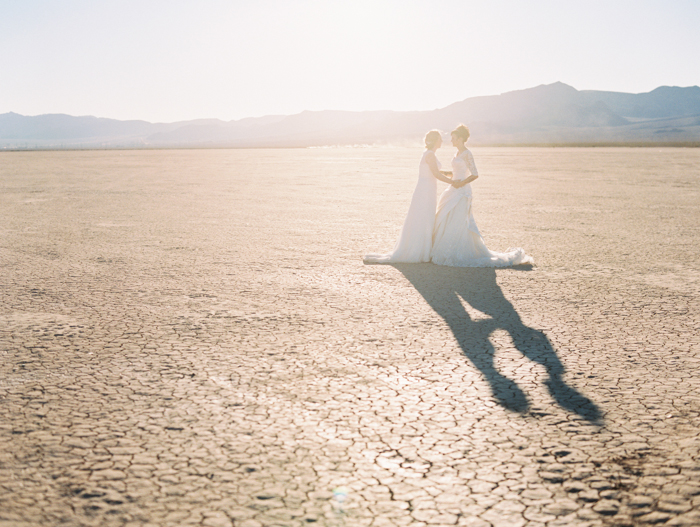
(462, 132)
(432, 137)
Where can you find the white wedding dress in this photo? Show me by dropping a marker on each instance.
(457, 241)
(416, 236)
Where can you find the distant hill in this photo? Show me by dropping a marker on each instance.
(554, 113)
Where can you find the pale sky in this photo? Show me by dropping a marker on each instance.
(171, 60)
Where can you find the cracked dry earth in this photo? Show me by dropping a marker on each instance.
(191, 338)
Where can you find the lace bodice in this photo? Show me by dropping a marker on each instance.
(463, 166)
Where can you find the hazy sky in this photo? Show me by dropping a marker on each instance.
(170, 60)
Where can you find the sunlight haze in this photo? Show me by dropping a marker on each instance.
(169, 61)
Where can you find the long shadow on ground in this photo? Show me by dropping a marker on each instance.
(442, 288)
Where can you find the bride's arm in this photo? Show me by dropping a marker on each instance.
(472, 168)
(432, 163)
(459, 184)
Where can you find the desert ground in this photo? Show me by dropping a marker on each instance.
(190, 337)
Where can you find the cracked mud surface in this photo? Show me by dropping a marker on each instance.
(191, 338)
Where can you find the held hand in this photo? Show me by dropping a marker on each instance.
(459, 184)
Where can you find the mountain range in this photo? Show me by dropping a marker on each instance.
(547, 114)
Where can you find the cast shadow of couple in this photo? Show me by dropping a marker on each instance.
(442, 287)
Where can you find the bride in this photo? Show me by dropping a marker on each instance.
(416, 236)
(457, 241)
